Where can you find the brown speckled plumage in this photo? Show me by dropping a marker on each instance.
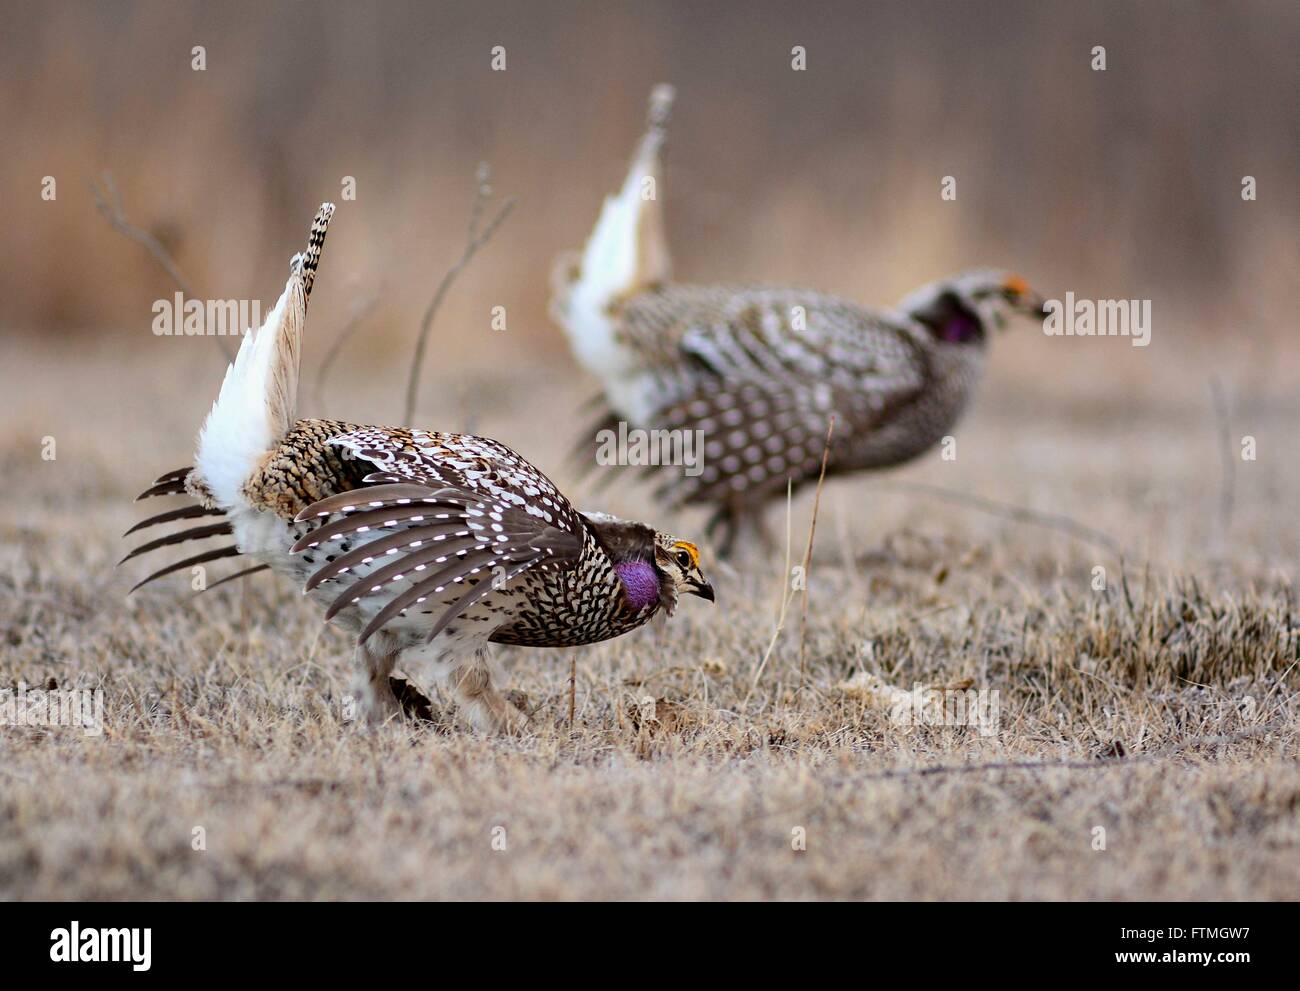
(304, 468)
(427, 545)
(760, 371)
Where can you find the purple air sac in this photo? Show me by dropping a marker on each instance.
(951, 320)
(641, 581)
(960, 328)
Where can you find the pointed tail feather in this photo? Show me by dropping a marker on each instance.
(259, 396)
(254, 410)
(192, 511)
(626, 253)
(306, 262)
(238, 574)
(189, 562)
(627, 250)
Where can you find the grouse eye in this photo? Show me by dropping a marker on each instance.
(683, 559)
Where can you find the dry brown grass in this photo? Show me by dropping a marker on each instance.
(224, 712)
(1162, 709)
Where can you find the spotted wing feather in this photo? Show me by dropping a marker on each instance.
(444, 510)
(690, 334)
(761, 371)
(753, 438)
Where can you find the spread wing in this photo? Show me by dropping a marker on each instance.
(751, 438)
(760, 372)
(443, 510)
(692, 337)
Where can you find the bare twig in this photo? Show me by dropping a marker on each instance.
(361, 309)
(1021, 514)
(116, 216)
(109, 204)
(786, 594)
(476, 240)
(807, 556)
(573, 690)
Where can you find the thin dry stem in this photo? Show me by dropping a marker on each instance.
(109, 204)
(786, 594)
(573, 690)
(361, 310)
(807, 555)
(476, 240)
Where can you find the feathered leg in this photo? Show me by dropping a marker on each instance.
(486, 709)
(374, 665)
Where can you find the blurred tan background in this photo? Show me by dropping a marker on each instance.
(1078, 454)
(1117, 184)
(1121, 183)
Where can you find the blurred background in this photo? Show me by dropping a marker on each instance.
(1079, 454)
(1123, 183)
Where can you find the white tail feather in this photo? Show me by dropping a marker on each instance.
(258, 400)
(626, 252)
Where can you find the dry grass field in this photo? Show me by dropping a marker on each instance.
(1099, 553)
(1161, 710)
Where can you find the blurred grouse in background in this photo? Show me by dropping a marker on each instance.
(760, 370)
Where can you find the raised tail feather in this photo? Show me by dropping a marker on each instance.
(305, 262)
(658, 113)
(259, 396)
(627, 251)
(256, 407)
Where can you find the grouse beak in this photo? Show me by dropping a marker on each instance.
(703, 589)
(1024, 299)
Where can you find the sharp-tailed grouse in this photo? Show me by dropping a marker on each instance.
(428, 545)
(760, 370)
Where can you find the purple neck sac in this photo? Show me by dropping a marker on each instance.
(960, 328)
(641, 581)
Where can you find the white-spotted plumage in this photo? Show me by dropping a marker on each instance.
(760, 371)
(427, 545)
